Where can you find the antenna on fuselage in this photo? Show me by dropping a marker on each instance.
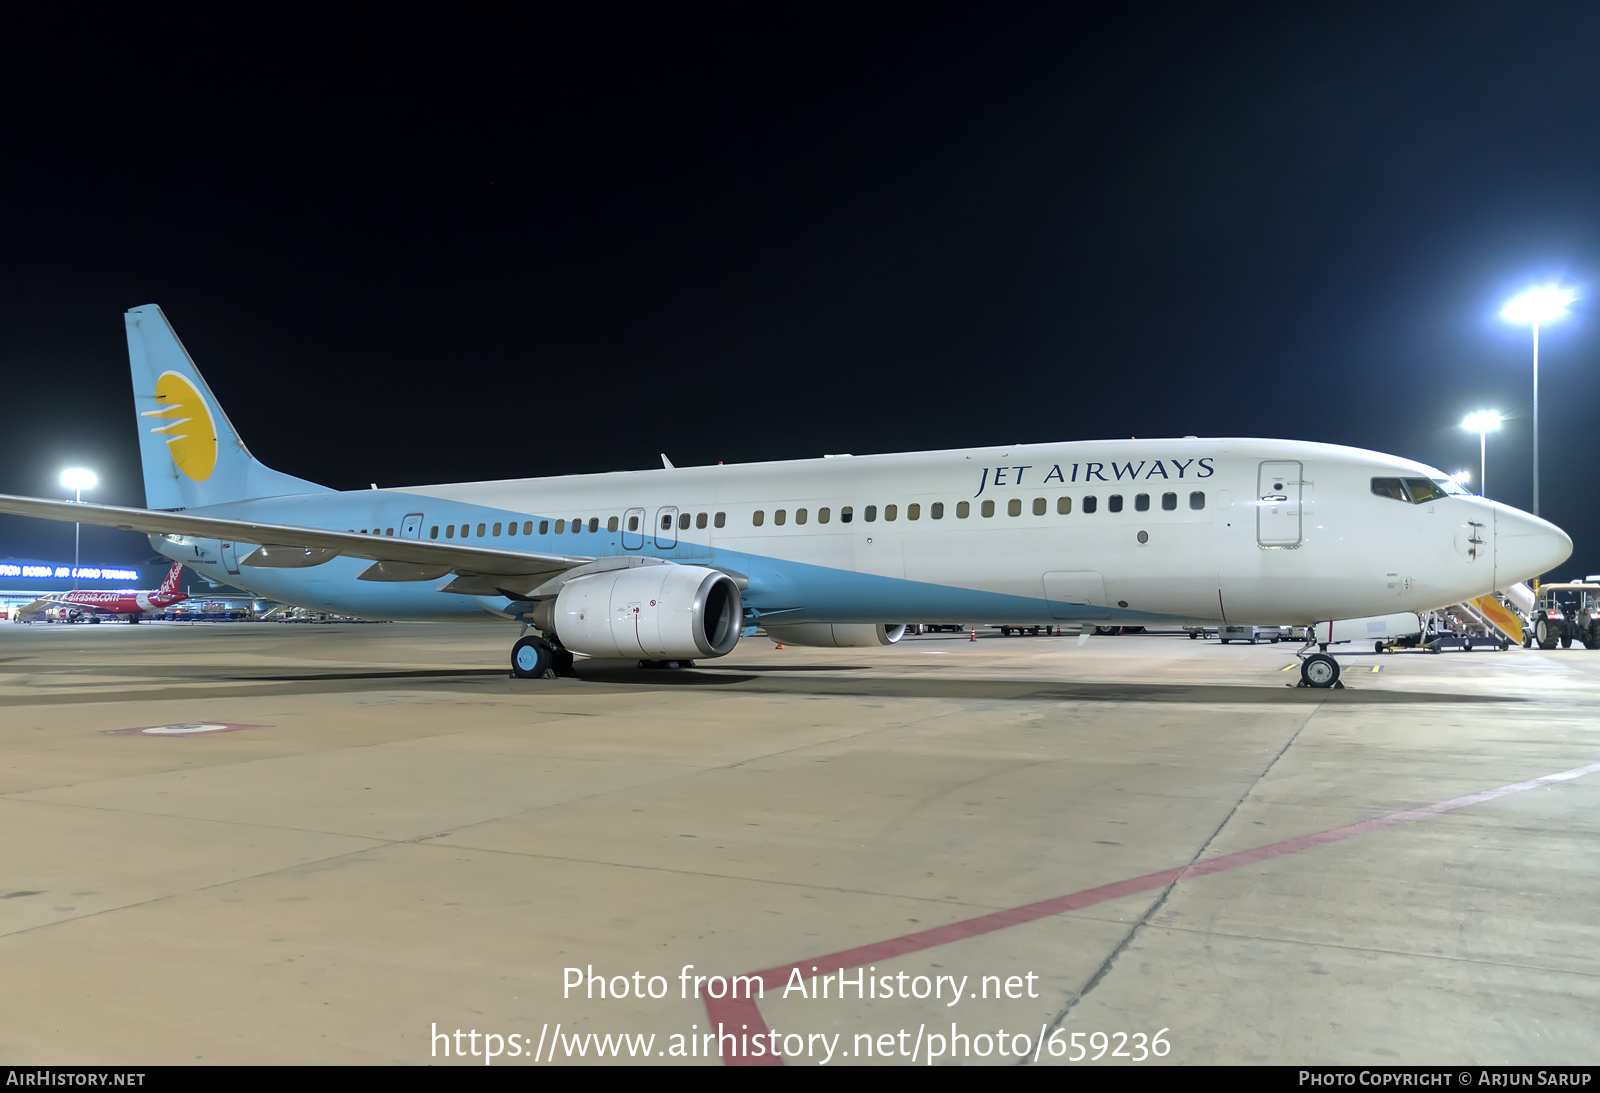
(667, 463)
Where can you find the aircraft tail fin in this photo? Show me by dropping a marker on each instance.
(191, 453)
(170, 585)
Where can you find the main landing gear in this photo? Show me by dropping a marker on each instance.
(533, 657)
(1318, 669)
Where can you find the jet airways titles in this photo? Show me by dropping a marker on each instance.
(1096, 472)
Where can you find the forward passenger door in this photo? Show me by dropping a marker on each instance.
(1278, 506)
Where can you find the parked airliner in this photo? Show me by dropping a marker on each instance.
(130, 604)
(675, 564)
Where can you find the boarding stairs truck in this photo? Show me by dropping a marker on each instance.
(1493, 621)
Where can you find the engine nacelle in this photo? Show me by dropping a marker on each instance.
(838, 635)
(658, 612)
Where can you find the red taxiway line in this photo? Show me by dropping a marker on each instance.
(742, 1016)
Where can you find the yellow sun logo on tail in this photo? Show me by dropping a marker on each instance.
(191, 435)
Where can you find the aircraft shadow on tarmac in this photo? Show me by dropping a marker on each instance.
(820, 680)
(883, 686)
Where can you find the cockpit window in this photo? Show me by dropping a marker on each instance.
(1417, 491)
(1423, 490)
(1390, 487)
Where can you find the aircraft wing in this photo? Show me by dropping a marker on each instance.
(286, 546)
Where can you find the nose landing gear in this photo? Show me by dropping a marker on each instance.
(1318, 669)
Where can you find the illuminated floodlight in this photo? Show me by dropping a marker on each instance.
(1461, 478)
(1482, 422)
(79, 478)
(1539, 305)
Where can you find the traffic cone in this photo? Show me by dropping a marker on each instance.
(974, 636)
(780, 647)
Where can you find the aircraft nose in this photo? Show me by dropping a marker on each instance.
(1525, 546)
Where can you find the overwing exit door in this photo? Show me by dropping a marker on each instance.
(633, 529)
(412, 528)
(1278, 494)
(667, 527)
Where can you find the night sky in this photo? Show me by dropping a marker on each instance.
(432, 252)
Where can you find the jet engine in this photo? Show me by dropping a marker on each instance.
(838, 635)
(658, 612)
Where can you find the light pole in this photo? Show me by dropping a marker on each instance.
(1481, 423)
(77, 479)
(1538, 305)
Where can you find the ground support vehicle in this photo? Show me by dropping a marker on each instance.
(1565, 613)
(1252, 634)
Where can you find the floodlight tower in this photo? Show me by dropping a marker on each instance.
(1481, 423)
(1538, 305)
(77, 479)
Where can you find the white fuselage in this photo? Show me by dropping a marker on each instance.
(1248, 531)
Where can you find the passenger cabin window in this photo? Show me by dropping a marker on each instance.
(1014, 507)
(633, 524)
(1038, 506)
(963, 509)
(988, 508)
(1090, 503)
(594, 523)
(799, 516)
(913, 512)
(846, 514)
(1141, 502)
(611, 524)
(544, 527)
(577, 524)
(527, 528)
(511, 528)
(936, 510)
(1169, 502)
(433, 532)
(758, 518)
(780, 517)
(721, 520)
(890, 512)
(1114, 502)
(699, 521)
(1064, 505)
(1197, 500)
(871, 514)
(683, 521)
(497, 529)
(666, 523)
(480, 531)
(822, 516)
(449, 531)
(561, 527)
